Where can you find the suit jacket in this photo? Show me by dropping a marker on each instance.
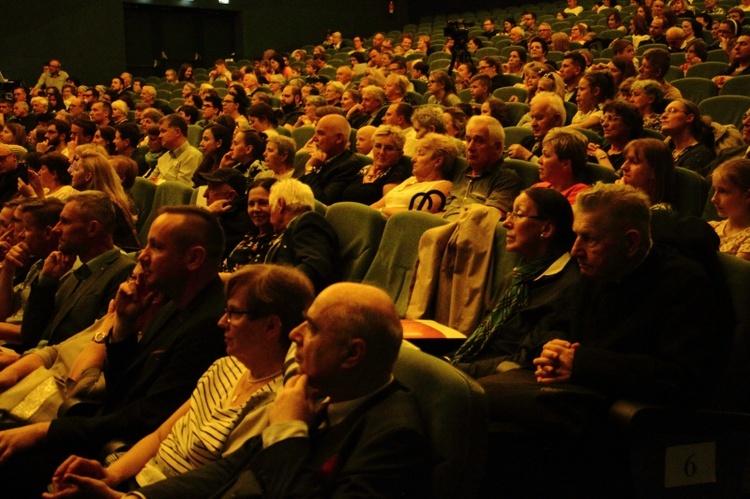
(149, 379)
(380, 450)
(309, 244)
(76, 306)
(334, 176)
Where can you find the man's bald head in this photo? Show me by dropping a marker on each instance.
(332, 134)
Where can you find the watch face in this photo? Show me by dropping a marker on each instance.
(100, 336)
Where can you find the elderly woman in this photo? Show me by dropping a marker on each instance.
(276, 83)
(305, 239)
(279, 157)
(119, 112)
(90, 170)
(395, 88)
(312, 103)
(428, 119)
(349, 99)
(431, 165)
(537, 292)
(230, 403)
(622, 123)
(442, 90)
(562, 161)
(648, 97)
(52, 180)
(689, 137)
(253, 247)
(649, 168)
(386, 171)
(333, 93)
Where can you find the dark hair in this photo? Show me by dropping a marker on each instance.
(700, 128)
(214, 100)
(603, 81)
(625, 66)
(129, 132)
(273, 290)
(655, 153)
(44, 212)
(700, 47)
(555, 208)
(523, 55)
(264, 112)
(87, 126)
(211, 161)
(203, 229)
(191, 112)
(631, 116)
(108, 134)
(660, 59)
(58, 164)
(499, 111)
(545, 47)
(697, 27)
(175, 121)
(253, 139)
(577, 59)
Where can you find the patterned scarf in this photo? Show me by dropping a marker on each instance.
(512, 300)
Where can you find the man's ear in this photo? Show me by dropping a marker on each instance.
(632, 241)
(194, 257)
(355, 353)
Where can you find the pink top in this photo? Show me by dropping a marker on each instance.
(571, 192)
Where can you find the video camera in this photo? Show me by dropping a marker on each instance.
(458, 30)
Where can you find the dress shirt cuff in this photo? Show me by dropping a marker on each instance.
(281, 431)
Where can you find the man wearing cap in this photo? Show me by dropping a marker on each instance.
(225, 197)
(10, 171)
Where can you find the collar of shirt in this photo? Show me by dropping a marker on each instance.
(556, 266)
(177, 152)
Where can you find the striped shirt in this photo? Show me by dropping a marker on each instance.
(204, 434)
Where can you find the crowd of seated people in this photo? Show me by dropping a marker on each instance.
(267, 145)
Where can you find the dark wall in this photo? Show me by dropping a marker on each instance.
(93, 41)
(87, 37)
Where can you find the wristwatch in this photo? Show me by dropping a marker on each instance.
(101, 336)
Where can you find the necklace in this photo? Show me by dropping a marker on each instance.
(248, 382)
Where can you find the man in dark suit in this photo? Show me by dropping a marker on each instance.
(80, 295)
(149, 377)
(332, 166)
(306, 240)
(365, 439)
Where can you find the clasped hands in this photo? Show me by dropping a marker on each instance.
(555, 364)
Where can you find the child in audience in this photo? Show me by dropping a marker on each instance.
(731, 181)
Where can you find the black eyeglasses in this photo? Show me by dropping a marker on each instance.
(513, 215)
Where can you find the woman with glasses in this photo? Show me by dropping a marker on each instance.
(689, 137)
(442, 90)
(622, 123)
(388, 169)
(230, 403)
(235, 105)
(431, 166)
(535, 295)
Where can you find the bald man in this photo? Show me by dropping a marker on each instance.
(331, 166)
(373, 443)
